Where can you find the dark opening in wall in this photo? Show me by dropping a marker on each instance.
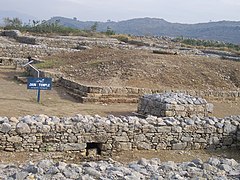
(1, 61)
(93, 149)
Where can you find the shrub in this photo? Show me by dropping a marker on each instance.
(121, 37)
(208, 43)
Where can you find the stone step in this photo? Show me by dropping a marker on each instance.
(75, 96)
(76, 91)
(112, 95)
(84, 97)
(110, 100)
(102, 99)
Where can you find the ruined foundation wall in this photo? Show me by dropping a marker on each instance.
(132, 94)
(25, 50)
(111, 134)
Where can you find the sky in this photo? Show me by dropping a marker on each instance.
(182, 11)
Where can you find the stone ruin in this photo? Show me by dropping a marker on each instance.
(174, 105)
(94, 135)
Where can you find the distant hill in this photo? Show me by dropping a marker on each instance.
(227, 31)
(13, 14)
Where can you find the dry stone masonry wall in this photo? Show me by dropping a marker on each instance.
(25, 46)
(24, 50)
(45, 46)
(5, 61)
(174, 105)
(76, 42)
(156, 44)
(132, 94)
(106, 135)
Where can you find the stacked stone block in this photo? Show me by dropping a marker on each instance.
(174, 105)
(24, 50)
(111, 134)
(5, 61)
(106, 94)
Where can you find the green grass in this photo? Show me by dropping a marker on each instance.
(209, 44)
(94, 63)
(49, 64)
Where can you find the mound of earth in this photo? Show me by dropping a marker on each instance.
(138, 68)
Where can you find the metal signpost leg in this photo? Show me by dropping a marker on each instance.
(38, 95)
(38, 92)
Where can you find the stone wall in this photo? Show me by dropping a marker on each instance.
(174, 105)
(24, 46)
(104, 94)
(75, 42)
(44, 46)
(5, 61)
(11, 33)
(62, 42)
(25, 50)
(101, 94)
(43, 73)
(132, 94)
(110, 134)
(72, 42)
(35, 46)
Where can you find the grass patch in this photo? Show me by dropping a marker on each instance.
(96, 63)
(121, 37)
(23, 74)
(217, 45)
(49, 64)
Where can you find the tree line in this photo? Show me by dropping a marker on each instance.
(45, 27)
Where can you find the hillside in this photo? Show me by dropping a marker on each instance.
(227, 31)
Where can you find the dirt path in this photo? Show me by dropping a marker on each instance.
(16, 100)
(123, 157)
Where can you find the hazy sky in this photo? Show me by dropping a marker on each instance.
(184, 11)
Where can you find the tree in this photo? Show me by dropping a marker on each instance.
(94, 27)
(14, 22)
(35, 22)
(110, 31)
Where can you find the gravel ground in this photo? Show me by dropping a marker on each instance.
(213, 168)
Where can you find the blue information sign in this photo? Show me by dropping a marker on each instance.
(39, 83)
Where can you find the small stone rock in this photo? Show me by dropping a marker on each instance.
(143, 162)
(214, 161)
(225, 167)
(5, 127)
(92, 172)
(230, 162)
(23, 128)
(20, 175)
(14, 120)
(189, 121)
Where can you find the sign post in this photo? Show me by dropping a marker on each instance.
(39, 84)
(38, 95)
